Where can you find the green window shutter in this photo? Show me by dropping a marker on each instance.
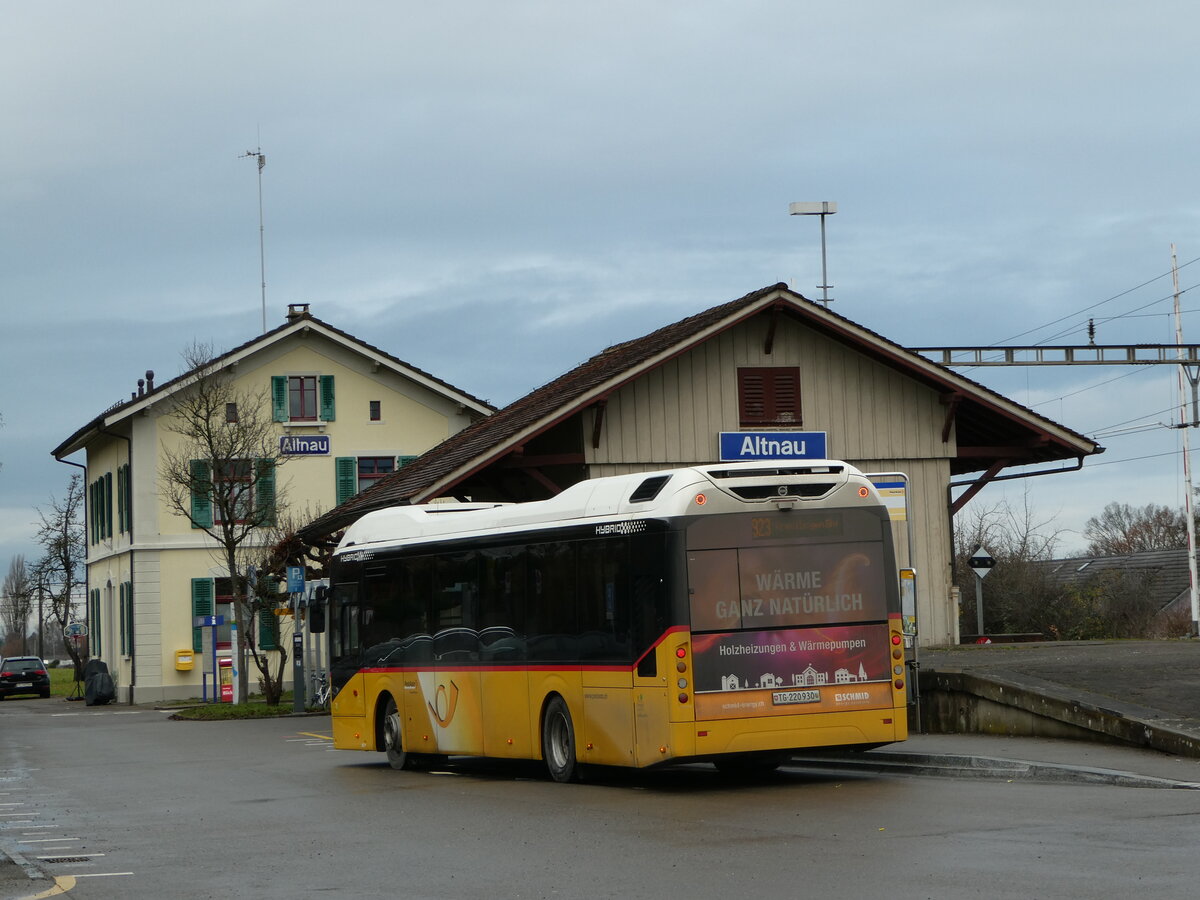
(264, 491)
(402, 461)
(120, 499)
(268, 630)
(123, 494)
(94, 518)
(121, 606)
(108, 504)
(202, 516)
(279, 398)
(129, 503)
(327, 405)
(202, 605)
(345, 474)
(127, 638)
(95, 644)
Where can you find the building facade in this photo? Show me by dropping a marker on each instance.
(789, 380)
(345, 415)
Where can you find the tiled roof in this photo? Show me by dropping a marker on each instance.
(1167, 569)
(477, 445)
(117, 410)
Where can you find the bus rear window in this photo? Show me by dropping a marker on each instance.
(781, 586)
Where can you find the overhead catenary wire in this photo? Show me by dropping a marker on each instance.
(1102, 303)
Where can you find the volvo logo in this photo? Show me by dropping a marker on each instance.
(782, 490)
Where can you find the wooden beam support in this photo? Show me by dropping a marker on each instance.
(519, 461)
(1010, 451)
(978, 486)
(769, 343)
(598, 425)
(540, 477)
(950, 401)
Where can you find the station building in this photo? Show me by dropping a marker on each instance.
(348, 415)
(768, 376)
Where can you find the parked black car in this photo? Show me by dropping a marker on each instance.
(24, 675)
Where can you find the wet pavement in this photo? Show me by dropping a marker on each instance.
(1152, 687)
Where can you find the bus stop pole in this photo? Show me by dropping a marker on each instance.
(978, 605)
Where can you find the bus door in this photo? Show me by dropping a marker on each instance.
(652, 670)
(651, 708)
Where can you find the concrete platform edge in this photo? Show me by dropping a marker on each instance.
(956, 701)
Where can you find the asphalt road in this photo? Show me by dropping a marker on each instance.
(150, 808)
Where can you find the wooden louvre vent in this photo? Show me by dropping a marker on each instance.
(769, 396)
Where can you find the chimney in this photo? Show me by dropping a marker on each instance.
(149, 380)
(297, 311)
(141, 387)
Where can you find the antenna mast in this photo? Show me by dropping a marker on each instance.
(262, 258)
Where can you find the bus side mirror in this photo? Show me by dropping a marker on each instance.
(316, 611)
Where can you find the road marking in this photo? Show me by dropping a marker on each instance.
(57, 840)
(320, 737)
(62, 884)
(101, 874)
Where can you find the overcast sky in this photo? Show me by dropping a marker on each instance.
(493, 192)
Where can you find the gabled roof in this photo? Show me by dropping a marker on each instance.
(985, 420)
(1165, 570)
(298, 323)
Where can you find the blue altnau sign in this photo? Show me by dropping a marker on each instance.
(304, 445)
(748, 445)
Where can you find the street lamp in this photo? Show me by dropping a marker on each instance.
(820, 208)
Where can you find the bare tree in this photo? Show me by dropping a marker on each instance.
(17, 601)
(221, 477)
(1018, 596)
(1121, 529)
(60, 570)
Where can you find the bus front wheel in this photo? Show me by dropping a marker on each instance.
(558, 741)
(393, 741)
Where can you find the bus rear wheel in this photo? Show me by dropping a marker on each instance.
(393, 741)
(558, 741)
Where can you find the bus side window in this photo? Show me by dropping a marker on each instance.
(553, 624)
(502, 601)
(603, 591)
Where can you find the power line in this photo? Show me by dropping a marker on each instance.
(1093, 386)
(1099, 304)
(1115, 462)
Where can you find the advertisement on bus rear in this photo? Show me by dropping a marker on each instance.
(767, 587)
(791, 671)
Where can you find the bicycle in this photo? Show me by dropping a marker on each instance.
(320, 692)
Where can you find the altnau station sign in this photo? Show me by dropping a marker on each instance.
(738, 446)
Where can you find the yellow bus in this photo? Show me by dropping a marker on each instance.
(735, 613)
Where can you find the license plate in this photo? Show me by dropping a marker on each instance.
(25, 684)
(782, 698)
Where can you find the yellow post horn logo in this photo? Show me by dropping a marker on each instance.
(441, 698)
